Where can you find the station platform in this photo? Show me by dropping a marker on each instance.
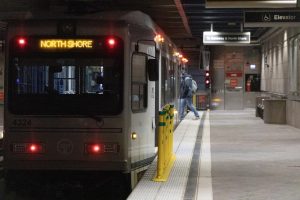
(228, 155)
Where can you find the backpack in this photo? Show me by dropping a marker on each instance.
(194, 86)
(190, 84)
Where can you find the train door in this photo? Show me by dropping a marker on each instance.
(2, 61)
(143, 115)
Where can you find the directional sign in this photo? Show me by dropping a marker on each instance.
(251, 3)
(271, 18)
(226, 38)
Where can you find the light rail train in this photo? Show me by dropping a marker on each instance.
(83, 93)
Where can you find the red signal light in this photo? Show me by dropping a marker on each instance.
(21, 42)
(206, 73)
(111, 42)
(207, 82)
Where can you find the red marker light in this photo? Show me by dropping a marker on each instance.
(21, 42)
(93, 148)
(111, 42)
(35, 148)
(32, 148)
(206, 73)
(207, 81)
(96, 148)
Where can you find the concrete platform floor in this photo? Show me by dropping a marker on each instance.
(241, 158)
(252, 160)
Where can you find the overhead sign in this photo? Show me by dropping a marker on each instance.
(210, 37)
(271, 18)
(250, 3)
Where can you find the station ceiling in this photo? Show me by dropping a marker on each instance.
(183, 20)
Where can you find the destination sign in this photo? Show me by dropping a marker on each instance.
(226, 38)
(65, 44)
(271, 18)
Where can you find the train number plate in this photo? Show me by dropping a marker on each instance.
(21, 122)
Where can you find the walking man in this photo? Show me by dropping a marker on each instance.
(186, 95)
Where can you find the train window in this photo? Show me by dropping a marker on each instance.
(59, 85)
(64, 81)
(167, 77)
(94, 79)
(172, 81)
(139, 83)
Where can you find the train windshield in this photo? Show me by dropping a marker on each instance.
(65, 85)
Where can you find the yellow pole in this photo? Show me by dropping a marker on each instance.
(160, 159)
(167, 139)
(172, 129)
(166, 157)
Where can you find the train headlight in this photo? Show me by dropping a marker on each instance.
(133, 135)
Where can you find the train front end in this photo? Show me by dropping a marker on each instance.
(64, 97)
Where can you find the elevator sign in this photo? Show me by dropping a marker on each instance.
(271, 18)
(210, 37)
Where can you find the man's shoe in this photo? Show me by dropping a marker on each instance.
(197, 117)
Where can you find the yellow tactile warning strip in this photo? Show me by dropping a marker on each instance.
(185, 136)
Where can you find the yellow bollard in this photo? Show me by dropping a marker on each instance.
(166, 156)
(172, 128)
(160, 160)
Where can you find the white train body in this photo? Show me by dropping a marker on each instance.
(73, 101)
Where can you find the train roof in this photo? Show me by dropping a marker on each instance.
(130, 17)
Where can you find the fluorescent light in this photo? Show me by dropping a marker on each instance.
(252, 66)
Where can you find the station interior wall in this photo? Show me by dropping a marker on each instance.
(280, 72)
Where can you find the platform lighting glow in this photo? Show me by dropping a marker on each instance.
(185, 60)
(1, 135)
(217, 100)
(180, 55)
(176, 54)
(159, 38)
